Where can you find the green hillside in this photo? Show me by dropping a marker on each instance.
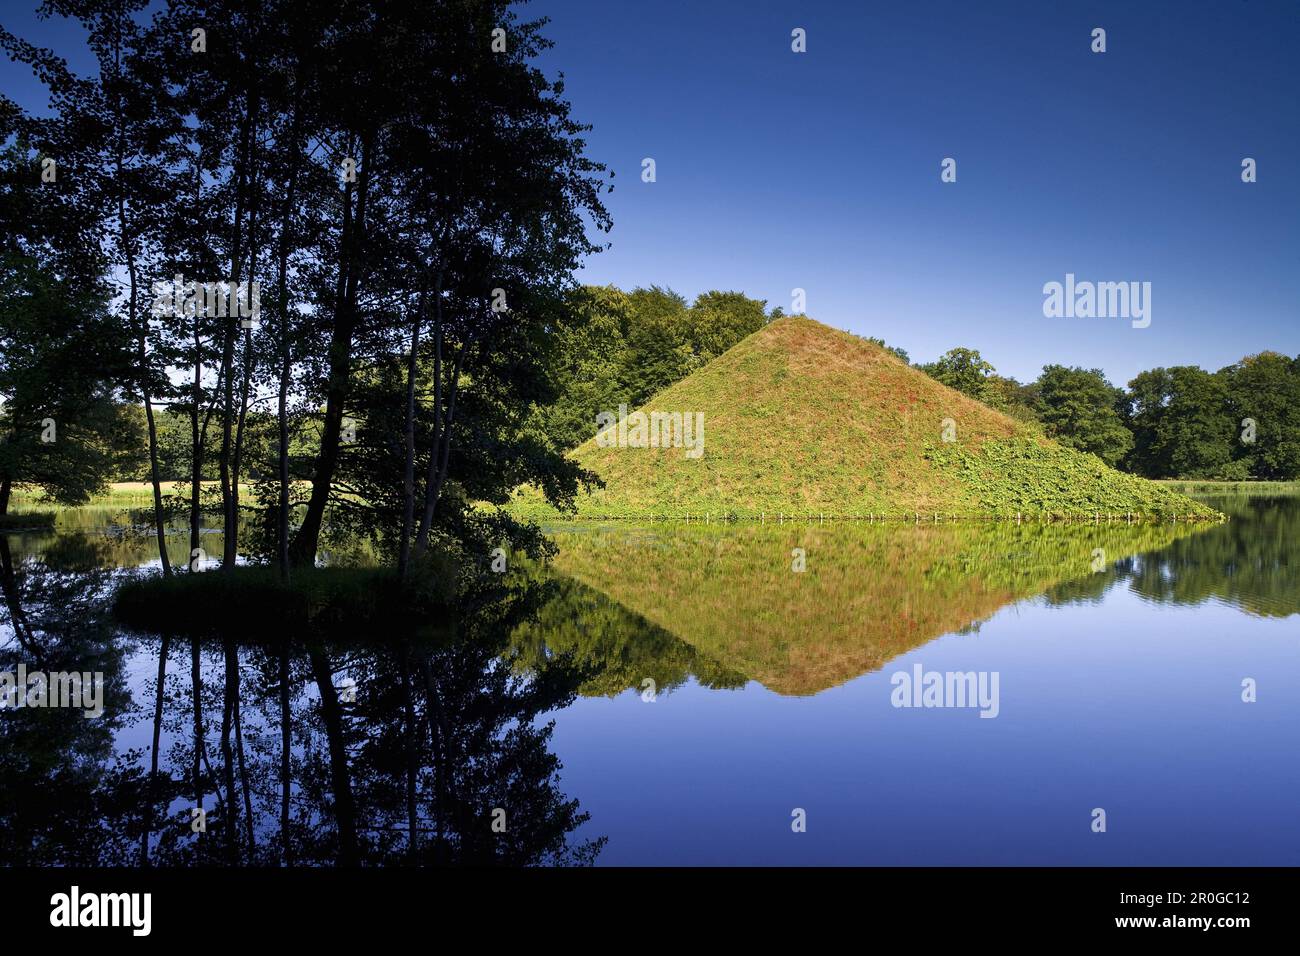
(800, 418)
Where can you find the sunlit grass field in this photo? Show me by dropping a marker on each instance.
(120, 493)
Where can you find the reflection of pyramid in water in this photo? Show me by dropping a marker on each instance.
(869, 593)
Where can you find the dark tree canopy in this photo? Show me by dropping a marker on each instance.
(1080, 409)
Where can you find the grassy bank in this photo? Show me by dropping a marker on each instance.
(803, 419)
(119, 493)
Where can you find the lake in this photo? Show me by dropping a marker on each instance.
(794, 693)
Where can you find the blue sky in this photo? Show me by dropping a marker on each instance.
(820, 170)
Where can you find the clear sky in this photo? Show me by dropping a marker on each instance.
(821, 170)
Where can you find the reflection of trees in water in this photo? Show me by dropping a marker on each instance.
(444, 729)
(114, 537)
(1248, 562)
(291, 764)
(622, 649)
(59, 776)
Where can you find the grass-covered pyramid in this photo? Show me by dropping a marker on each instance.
(800, 418)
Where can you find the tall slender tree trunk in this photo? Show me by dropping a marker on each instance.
(282, 305)
(305, 543)
(198, 450)
(142, 354)
(440, 452)
(237, 463)
(282, 423)
(198, 419)
(431, 471)
(127, 241)
(408, 475)
(229, 504)
(250, 358)
(160, 525)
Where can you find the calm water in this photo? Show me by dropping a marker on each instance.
(704, 695)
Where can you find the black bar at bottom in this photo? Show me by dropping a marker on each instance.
(366, 906)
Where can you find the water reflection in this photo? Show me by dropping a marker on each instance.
(401, 748)
(418, 749)
(1249, 563)
(726, 604)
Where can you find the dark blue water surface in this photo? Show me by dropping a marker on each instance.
(1121, 704)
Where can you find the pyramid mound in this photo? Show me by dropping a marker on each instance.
(800, 418)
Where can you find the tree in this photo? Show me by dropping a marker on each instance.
(60, 429)
(964, 370)
(659, 350)
(61, 352)
(592, 356)
(1181, 425)
(1264, 403)
(616, 348)
(967, 371)
(108, 134)
(409, 194)
(450, 248)
(718, 320)
(901, 354)
(1080, 409)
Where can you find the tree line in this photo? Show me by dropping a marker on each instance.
(410, 196)
(612, 347)
(406, 190)
(1241, 422)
